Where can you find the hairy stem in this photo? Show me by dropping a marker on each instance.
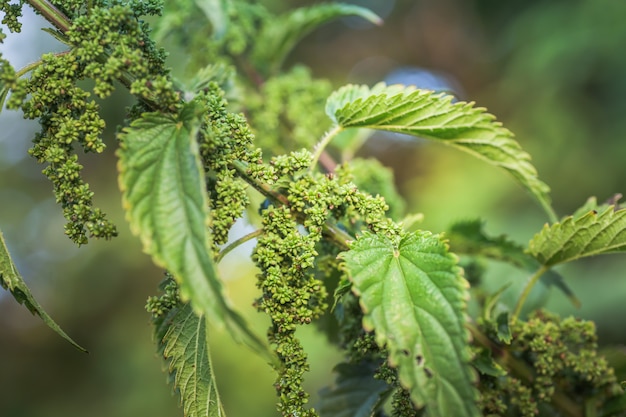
(28, 68)
(319, 148)
(51, 14)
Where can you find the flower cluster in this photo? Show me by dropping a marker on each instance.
(551, 360)
(225, 138)
(291, 296)
(288, 112)
(159, 306)
(107, 42)
(11, 14)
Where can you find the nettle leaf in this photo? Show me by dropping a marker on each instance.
(431, 115)
(280, 35)
(183, 343)
(164, 195)
(355, 393)
(468, 237)
(574, 238)
(413, 297)
(217, 13)
(12, 281)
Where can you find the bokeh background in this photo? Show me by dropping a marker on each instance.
(553, 71)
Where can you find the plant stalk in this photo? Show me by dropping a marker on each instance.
(237, 243)
(51, 14)
(323, 143)
(529, 286)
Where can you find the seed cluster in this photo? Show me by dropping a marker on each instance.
(107, 42)
(562, 358)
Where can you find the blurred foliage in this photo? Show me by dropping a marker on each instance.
(551, 70)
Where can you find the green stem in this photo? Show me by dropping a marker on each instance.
(529, 286)
(319, 148)
(237, 243)
(550, 211)
(51, 14)
(332, 231)
(27, 68)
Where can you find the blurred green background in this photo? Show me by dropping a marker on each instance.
(554, 72)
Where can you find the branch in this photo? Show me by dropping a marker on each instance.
(53, 15)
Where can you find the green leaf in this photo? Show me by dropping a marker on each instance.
(468, 237)
(280, 35)
(183, 343)
(355, 393)
(434, 116)
(217, 13)
(486, 365)
(592, 204)
(574, 238)
(503, 329)
(166, 203)
(12, 281)
(413, 297)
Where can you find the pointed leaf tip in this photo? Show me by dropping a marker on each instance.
(431, 115)
(184, 346)
(594, 233)
(12, 281)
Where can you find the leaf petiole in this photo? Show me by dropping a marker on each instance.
(529, 286)
(237, 243)
(51, 14)
(323, 143)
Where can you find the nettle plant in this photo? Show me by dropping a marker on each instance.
(332, 247)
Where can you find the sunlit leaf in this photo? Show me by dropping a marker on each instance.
(413, 297)
(183, 343)
(430, 115)
(280, 35)
(166, 203)
(355, 393)
(574, 238)
(12, 281)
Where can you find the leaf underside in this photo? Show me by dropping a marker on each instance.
(430, 115)
(12, 281)
(413, 297)
(578, 237)
(183, 343)
(166, 204)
